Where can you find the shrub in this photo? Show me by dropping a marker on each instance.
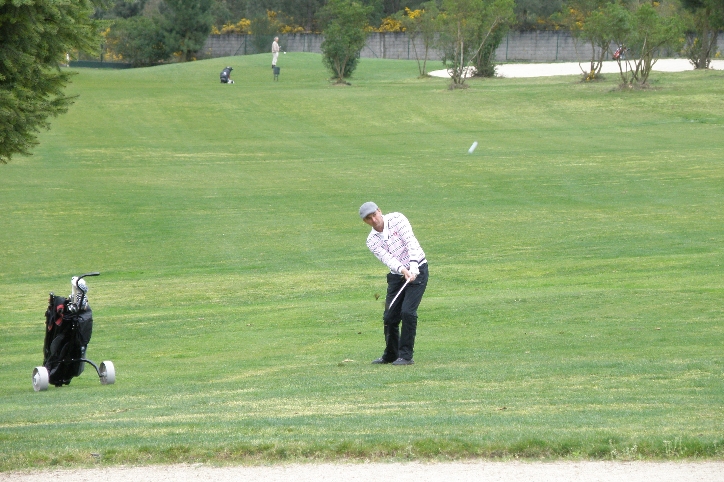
(138, 40)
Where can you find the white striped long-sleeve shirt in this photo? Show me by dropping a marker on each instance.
(396, 246)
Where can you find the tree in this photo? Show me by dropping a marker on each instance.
(34, 39)
(707, 19)
(376, 11)
(110, 9)
(588, 21)
(263, 31)
(138, 40)
(304, 12)
(483, 60)
(465, 26)
(128, 9)
(344, 23)
(421, 24)
(391, 7)
(643, 32)
(228, 11)
(186, 25)
(535, 14)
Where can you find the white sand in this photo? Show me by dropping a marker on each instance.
(574, 68)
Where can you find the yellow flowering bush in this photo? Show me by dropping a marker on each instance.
(391, 24)
(413, 14)
(394, 23)
(291, 29)
(109, 47)
(243, 26)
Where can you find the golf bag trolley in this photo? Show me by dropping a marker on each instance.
(68, 329)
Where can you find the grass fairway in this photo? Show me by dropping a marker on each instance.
(575, 300)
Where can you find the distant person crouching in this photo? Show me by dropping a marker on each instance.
(226, 76)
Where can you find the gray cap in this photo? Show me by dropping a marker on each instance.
(367, 208)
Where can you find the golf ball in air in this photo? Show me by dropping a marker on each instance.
(472, 148)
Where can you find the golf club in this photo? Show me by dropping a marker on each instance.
(398, 294)
(94, 273)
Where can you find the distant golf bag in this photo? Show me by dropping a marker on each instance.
(68, 330)
(225, 76)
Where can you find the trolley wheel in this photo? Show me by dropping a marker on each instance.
(41, 379)
(107, 372)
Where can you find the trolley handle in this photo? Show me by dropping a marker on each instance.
(93, 273)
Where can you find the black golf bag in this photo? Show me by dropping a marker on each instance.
(66, 340)
(225, 76)
(68, 330)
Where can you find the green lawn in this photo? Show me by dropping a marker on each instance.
(574, 307)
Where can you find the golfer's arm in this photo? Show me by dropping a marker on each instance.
(387, 259)
(413, 246)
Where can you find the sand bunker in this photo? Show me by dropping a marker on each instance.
(574, 68)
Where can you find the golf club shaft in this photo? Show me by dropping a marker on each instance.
(398, 294)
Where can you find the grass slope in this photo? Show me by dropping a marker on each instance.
(575, 301)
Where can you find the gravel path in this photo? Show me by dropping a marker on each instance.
(397, 472)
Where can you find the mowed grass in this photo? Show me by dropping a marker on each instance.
(574, 308)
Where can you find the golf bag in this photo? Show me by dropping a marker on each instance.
(225, 76)
(68, 330)
(66, 339)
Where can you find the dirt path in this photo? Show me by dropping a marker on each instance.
(397, 472)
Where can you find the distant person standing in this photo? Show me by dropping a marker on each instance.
(275, 51)
(392, 241)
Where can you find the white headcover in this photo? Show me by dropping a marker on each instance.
(78, 297)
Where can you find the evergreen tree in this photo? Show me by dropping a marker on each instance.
(186, 25)
(35, 37)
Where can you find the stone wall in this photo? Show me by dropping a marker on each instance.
(536, 46)
(232, 44)
(516, 46)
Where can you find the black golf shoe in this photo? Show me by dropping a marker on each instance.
(402, 361)
(381, 361)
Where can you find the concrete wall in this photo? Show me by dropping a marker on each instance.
(537, 46)
(233, 44)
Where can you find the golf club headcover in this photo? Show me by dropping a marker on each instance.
(73, 287)
(78, 298)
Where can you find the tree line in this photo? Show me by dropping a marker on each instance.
(145, 32)
(37, 36)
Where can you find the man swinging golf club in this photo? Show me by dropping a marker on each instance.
(392, 241)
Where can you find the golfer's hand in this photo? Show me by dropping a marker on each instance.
(408, 275)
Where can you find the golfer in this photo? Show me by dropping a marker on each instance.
(275, 51)
(394, 243)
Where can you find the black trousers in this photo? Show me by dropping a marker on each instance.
(401, 345)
